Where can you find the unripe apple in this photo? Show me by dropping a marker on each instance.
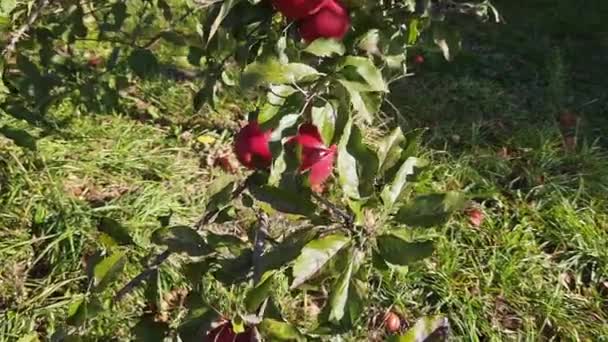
(298, 9)
(331, 21)
(252, 147)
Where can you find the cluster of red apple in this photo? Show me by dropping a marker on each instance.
(252, 147)
(316, 18)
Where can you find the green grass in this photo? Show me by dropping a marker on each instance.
(536, 269)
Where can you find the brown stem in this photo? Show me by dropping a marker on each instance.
(18, 35)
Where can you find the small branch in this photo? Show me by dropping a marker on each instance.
(22, 31)
(258, 248)
(348, 219)
(143, 276)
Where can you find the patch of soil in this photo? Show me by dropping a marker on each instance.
(95, 194)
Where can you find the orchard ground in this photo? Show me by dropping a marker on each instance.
(536, 268)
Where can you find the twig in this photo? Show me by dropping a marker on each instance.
(348, 219)
(18, 35)
(143, 275)
(258, 247)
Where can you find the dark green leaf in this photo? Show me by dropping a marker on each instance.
(166, 9)
(426, 329)
(143, 62)
(82, 310)
(324, 47)
(222, 14)
(287, 250)
(431, 210)
(108, 269)
(173, 37)
(18, 111)
(225, 243)
(115, 230)
(28, 68)
(339, 292)
(234, 270)
(393, 190)
(283, 200)
(280, 331)
(220, 193)
(199, 321)
(389, 150)
(257, 295)
(397, 251)
(20, 137)
(315, 255)
(149, 330)
(181, 239)
(195, 271)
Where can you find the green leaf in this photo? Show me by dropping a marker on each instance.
(166, 9)
(389, 149)
(227, 5)
(339, 294)
(20, 137)
(426, 329)
(272, 71)
(371, 77)
(257, 295)
(287, 250)
(7, 6)
(181, 239)
(115, 230)
(234, 270)
(108, 270)
(82, 310)
(28, 68)
(199, 321)
(357, 164)
(276, 98)
(283, 200)
(369, 42)
(149, 330)
(448, 41)
(365, 104)
(220, 193)
(143, 62)
(31, 337)
(325, 120)
(324, 47)
(392, 191)
(431, 210)
(414, 31)
(315, 255)
(277, 330)
(397, 251)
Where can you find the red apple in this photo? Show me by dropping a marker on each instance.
(392, 322)
(298, 9)
(315, 157)
(252, 147)
(331, 21)
(476, 217)
(419, 59)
